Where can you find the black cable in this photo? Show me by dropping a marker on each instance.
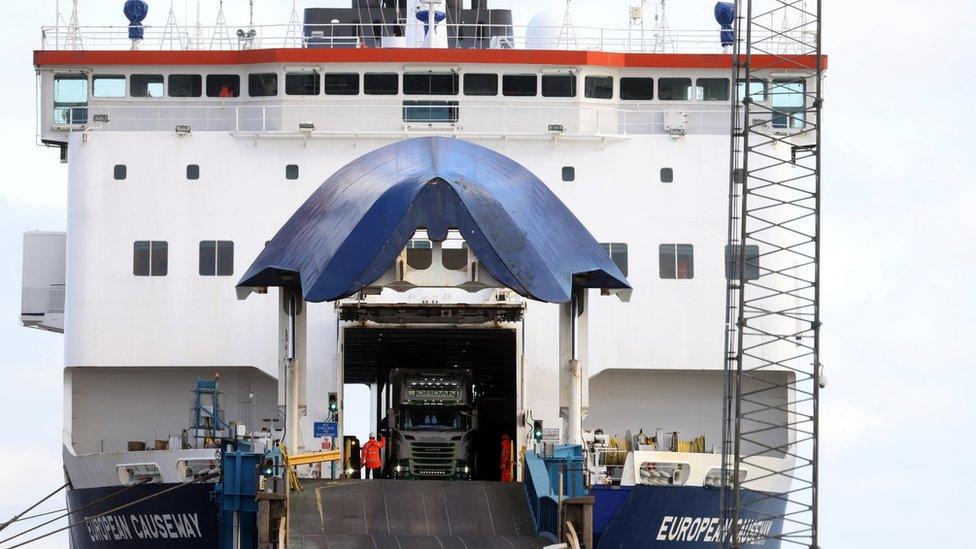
(116, 509)
(25, 511)
(69, 513)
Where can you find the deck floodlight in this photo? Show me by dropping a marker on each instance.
(557, 128)
(306, 127)
(182, 129)
(100, 118)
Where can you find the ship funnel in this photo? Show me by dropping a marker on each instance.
(434, 36)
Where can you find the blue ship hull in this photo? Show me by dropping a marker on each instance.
(183, 518)
(635, 517)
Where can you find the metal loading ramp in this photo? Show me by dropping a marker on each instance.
(410, 514)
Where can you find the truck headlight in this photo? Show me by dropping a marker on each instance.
(398, 468)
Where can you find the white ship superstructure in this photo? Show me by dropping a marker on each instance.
(183, 164)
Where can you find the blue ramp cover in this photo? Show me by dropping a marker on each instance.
(350, 231)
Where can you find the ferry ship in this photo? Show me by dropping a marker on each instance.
(261, 217)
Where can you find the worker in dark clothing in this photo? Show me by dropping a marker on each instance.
(371, 457)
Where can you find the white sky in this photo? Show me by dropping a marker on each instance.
(899, 250)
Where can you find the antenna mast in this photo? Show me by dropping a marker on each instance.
(663, 40)
(567, 32)
(220, 34)
(293, 34)
(773, 374)
(73, 38)
(171, 32)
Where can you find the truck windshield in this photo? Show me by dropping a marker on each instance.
(433, 420)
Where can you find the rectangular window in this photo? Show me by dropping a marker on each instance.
(757, 90)
(70, 99)
(677, 261)
(569, 173)
(193, 172)
(216, 258)
(712, 89)
(419, 254)
(430, 83)
(146, 85)
(789, 99)
(223, 85)
(674, 89)
(636, 89)
(558, 85)
(520, 85)
(732, 262)
(618, 253)
(119, 172)
(291, 171)
(341, 83)
(264, 84)
(381, 83)
(108, 86)
(302, 83)
(150, 258)
(598, 87)
(480, 84)
(430, 112)
(185, 85)
(667, 175)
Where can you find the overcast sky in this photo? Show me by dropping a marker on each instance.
(899, 222)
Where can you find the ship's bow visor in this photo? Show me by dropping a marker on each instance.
(351, 230)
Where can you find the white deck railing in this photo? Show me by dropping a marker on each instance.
(357, 118)
(115, 37)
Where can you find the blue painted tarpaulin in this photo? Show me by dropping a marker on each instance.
(351, 230)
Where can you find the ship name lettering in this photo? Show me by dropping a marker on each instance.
(711, 530)
(155, 526)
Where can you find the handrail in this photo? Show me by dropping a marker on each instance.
(346, 35)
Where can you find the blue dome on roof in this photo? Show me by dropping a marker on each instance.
(351, 230)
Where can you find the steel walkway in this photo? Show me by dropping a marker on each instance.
(398, 514)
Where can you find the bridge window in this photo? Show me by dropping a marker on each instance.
(119, 172)
(291, 171)
(430, 83)
(193, 172)
(732, 253)
(598, 87)
(677, 261)
(559, 85)
(430, 112)
(636, 89)
(146, 85)
(223, 85)
(376, 83)
(520, 85)
(185, 85)
(569, 173)
(108, 86)
(341, 83)
(70, 98)
(480, 84)
(420, 254)
(150, 258)
(618, 253)
(264, 84)
(712, 89)
(667, 175)
(789, 99)
(757, 90)
(674, 89)
(216, 258)
(302, 83)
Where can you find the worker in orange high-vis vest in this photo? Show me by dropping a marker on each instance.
(506, 461)
(371, 456)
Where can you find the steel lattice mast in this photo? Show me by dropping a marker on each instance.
(773, 301)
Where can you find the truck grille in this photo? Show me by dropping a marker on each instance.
(432, 459)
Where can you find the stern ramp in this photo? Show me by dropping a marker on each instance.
(410, 514)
